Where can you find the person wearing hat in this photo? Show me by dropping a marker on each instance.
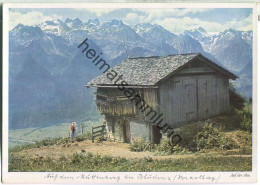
(73, 130)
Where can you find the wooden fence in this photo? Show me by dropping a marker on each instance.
(100, 132)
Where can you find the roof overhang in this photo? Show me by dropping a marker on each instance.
(213, 65)
(218, 68)
(127, 86)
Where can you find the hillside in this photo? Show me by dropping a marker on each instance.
(221, 143)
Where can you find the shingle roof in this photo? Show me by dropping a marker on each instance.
(146, 70)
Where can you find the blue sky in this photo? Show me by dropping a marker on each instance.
(175, 20)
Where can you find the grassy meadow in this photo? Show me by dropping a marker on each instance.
(97, 163)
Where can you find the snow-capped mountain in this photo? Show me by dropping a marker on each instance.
(50, 50)
(198, 33)
(56, 27)
(186, 44)
(232, 50)
(74, 24)
(154, 33)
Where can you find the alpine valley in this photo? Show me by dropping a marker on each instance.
(48, 73)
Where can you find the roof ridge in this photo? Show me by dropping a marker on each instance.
(182, 54)
(147, 71)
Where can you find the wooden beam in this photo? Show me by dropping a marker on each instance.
(99, 131)
(99, 134)
(196, 70)
(100, 126)
(129, 86)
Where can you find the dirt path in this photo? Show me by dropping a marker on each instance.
(107, 148)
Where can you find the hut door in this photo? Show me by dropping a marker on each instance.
(203, 109)
(189, 99)
(126, 131)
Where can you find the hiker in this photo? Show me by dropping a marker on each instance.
(73, 130)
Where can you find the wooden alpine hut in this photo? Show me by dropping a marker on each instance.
(174, 89)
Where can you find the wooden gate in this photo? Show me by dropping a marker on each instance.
(97, 131)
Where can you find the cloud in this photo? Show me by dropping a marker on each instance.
(178, 25)
(30, 18)
(131, 16)
(97, 11)
(174, 20)
(179, 20)
(169, 12)
(242, 25)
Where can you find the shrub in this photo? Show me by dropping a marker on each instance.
(86, 136)
(208, 138)
(89, 155)
(236, 100)
(227, 143)
(77, 158)
(188, 133)
(228, 120)
(211, 137)
(99, 139)
(245, 119)
(139, 145)
(246, 150)
(62, 158)
(245, 139)
(107, 158)
(149, 147)
(148, 159)
(177, 149)
(166, 147)
(246, 123)
(47, 142)
(64, 141)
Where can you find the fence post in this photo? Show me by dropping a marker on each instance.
(81, 128)
(104, 129)
(92, 134)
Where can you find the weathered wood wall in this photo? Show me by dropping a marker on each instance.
(151, 97)
(112, 101)
(187, 98)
